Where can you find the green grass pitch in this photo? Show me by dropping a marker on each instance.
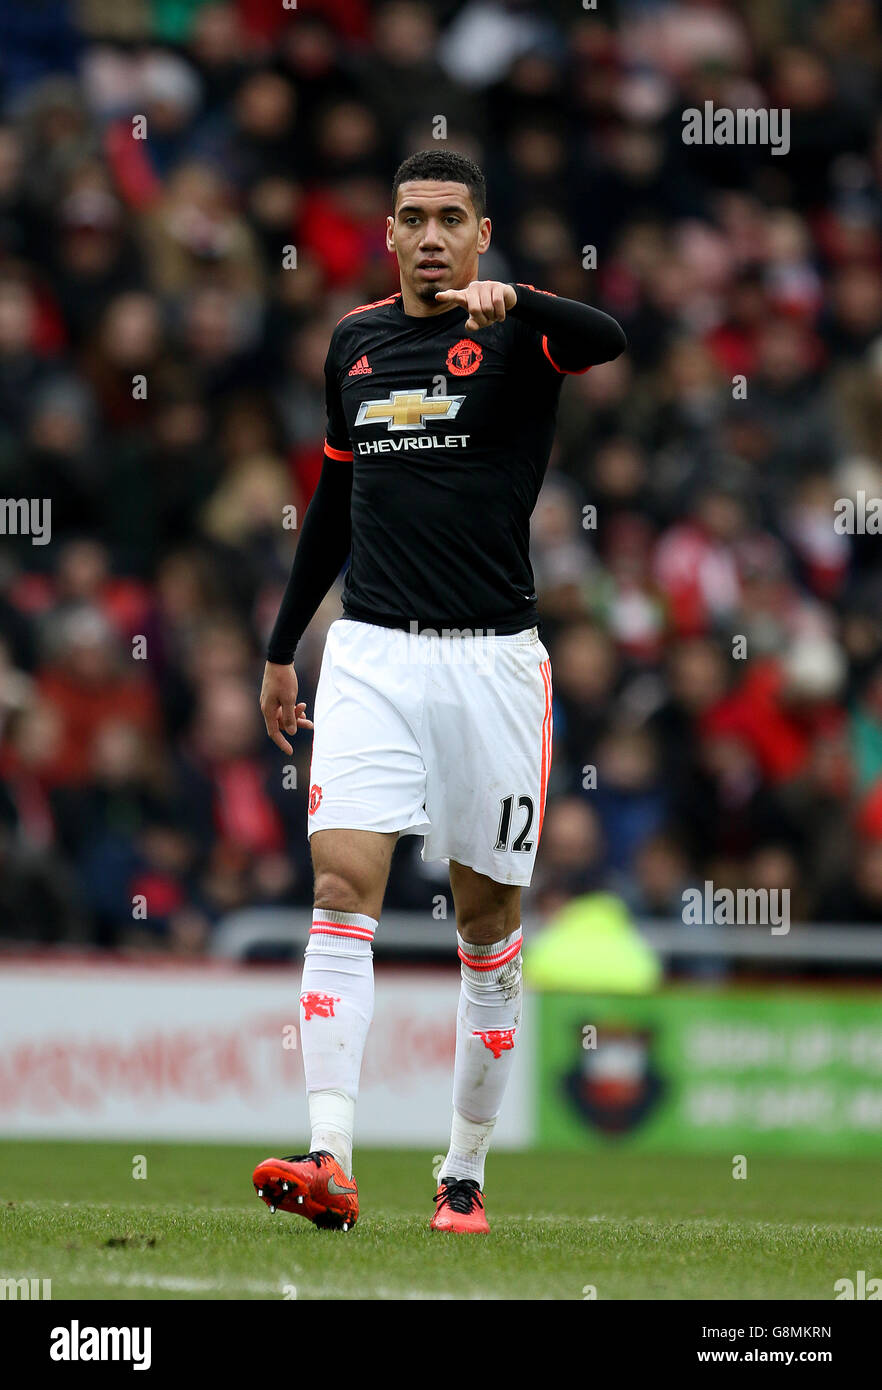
(633, 1227)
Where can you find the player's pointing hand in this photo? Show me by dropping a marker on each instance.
(486, 300)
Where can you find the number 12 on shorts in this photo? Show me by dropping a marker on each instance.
(521, 843)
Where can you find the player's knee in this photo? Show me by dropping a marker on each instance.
(339, 891)
(484, 927)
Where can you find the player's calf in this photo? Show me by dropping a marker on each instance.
(487, 1024)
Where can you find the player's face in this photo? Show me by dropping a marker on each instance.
(437, 238)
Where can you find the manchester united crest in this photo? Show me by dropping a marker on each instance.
(464, 357)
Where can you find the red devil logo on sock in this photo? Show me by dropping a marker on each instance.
(498, 1040)
(318, 1005)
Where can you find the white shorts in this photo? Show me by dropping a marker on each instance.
(443, 736)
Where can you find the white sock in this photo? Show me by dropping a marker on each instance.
(486, 1030)
(332, 1121)
(336, 1008)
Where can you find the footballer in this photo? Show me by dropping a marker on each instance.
(441, 408)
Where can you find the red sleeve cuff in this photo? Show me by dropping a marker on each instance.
(341, 455)
(564, 371)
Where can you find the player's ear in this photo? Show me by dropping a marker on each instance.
(390, 227)
(484, 233)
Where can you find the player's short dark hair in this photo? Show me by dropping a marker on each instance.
(447, 167)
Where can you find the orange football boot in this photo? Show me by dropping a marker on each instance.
(460, 1207)
(311, 1185)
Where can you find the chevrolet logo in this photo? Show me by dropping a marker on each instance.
(408, 410)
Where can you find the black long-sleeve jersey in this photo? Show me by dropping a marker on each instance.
(446, 436)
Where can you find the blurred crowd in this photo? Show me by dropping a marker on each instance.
(168, 286)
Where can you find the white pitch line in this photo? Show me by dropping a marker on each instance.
(712, 1221)
(173, 1283)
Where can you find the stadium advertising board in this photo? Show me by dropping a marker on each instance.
(693, 1070)
(109, 1051)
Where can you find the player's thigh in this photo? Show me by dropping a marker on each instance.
(488, 754)
(351, 869)
(486, 911)
(367, 770)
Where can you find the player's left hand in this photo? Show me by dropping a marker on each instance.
(486, 300)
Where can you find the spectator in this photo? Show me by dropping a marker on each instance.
(162, 390)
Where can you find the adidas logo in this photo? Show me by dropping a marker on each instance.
(361, 368)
